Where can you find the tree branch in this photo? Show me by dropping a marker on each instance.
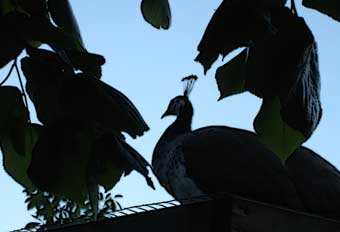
(293, 7)
(9, 73)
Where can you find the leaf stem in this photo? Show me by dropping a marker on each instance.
(293, 7)
(22, 87)
(8, 74)
(25, 100)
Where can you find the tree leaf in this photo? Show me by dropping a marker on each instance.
(273, 64)
(157, 13)
(91, 99)
(113, 157)
(133, 122)
(17, 135)
(11, 45)
(272, 3)
(34, 7)
(89, 63)
(13, 110)
(39, 28)
(107, 164)
(32, 225)
(231, 77)
(328, 7)
(56, 93)
(286, 65)
(274, 132)
(36, 200)
(13, 118)
(223, 33)
(16, 164)
(61, 157)
(45, 72)
(21, 29)
(301, 107)
(62, 14)
(134, 161)
(47, 212)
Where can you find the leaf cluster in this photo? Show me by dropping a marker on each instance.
(78, 144)
(52, 212)
(279, 63)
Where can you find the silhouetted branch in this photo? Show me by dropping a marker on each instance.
(9, 74)
(293, 7)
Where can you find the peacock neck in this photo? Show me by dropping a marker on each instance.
(180, 126)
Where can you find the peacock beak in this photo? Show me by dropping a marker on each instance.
(166, 113)
(170, 111)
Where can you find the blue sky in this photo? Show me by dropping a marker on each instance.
(147, 64)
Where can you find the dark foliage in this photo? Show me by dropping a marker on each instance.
(79, 145)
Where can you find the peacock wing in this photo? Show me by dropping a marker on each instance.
(317, 181)
(224, 159)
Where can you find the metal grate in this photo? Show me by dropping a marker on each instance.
(146, 208)
(203, 213)
(162, 205)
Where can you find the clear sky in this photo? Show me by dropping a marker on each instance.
(147, 64)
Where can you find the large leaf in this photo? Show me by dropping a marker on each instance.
(41, 29)
(71, 152)
(27, 28)
(60, 159)
(11, 44)
(286, 65)
(45, 73)
(235, 24)
(89, 98)
(14, 119)
(13, 110)
(328, 7)
(34, 7)
(231, 77)
(274, 132)
(273, 64)
(16, 135)
(89, 63)
(107, 165)
(113, 157)
(133, 122)
(301, 106)
(62, 14)
(16, 163)
(134, 161)
(157, 13)
(55, 92)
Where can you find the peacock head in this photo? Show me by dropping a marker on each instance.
(182, 103)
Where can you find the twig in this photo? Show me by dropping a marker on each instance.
(293, 7)
(25, 100)
(22, 88)
(9, 73)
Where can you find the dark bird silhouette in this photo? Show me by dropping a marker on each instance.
(317, 182)
(217, 159)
